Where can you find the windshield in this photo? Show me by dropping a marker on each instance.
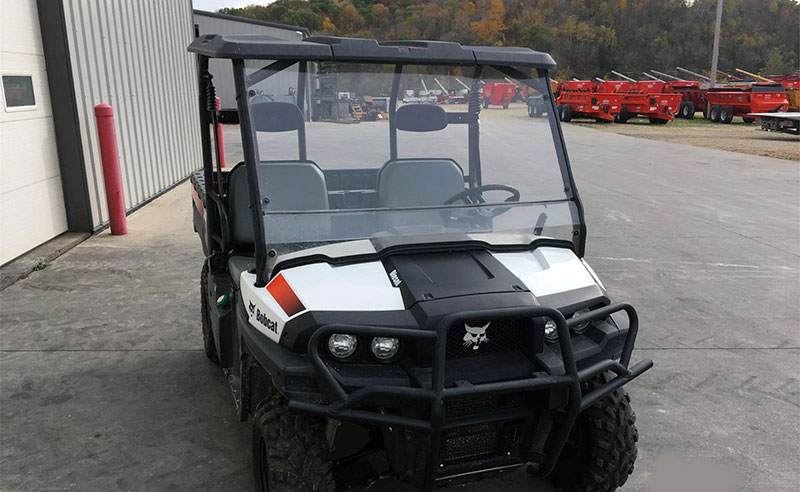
(404, 154)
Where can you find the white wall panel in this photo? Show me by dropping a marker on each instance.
(30, 216)
(31, 200)
(132, 55)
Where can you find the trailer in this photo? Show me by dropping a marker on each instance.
(779, 122)
(575, 86)
(498, 94)
(581, 104)
(660, 109)
(792, 85)
(692, 97)
(724, 104)
(642, 98)
(612, 86)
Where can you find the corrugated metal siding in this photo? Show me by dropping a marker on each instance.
(221, 69)
(132, 55)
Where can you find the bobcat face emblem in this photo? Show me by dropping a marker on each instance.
(475, 335)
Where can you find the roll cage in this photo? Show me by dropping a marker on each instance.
(283, 54)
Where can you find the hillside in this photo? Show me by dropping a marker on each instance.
(586, 37)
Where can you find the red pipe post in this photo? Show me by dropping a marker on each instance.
(220, 143)
(111, 175)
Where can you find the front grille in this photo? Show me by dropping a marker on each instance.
(470, 443)
(480, 440)
(500, 337)
(470, 405)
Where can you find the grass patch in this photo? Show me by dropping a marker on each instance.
(697, 121)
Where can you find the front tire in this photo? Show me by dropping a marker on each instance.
(601, 450)
(290, 451)
(689, 110)
(208, 335)
(623, 116)
(566, 113)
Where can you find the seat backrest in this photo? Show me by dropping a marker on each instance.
(422, 181)
(418, 182)
(289, 185)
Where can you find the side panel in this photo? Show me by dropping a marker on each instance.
(547, 271)
(320, 287)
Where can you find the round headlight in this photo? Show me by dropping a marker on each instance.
(580, 328)
(550, 332)
(342, 345)
(385, 348)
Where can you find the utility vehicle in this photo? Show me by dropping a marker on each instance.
(406, 296)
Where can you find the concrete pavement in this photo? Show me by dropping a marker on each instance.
(104, 385)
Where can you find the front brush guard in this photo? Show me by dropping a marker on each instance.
(344, 406)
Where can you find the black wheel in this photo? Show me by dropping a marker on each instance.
(683, 110)
(208, 335)
(505, 106)
(623, 116)
(713, 115)
(290, 451)
(726, 114)
(601, 450)
(748, 120)
(565, 113)
(689, 110)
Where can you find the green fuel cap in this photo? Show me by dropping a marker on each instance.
(222, 300)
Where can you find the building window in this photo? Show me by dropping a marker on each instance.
(18, 92)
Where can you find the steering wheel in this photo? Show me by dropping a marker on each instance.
(474, 196)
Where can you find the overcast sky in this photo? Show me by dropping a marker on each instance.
(213, 5)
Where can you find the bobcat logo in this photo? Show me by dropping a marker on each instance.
(475, 335)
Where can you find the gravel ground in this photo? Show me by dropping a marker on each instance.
(736, 137)
(104, 385)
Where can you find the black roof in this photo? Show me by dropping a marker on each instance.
(365, 50)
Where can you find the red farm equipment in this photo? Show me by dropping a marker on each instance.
(726, 103)
(790, 82)
(694, 98)
(642, 98)
(498, 94)
(659, 108)
(575, 86)
(575, 100)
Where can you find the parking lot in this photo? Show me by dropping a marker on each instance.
(105, 386)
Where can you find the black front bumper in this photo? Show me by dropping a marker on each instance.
(435, 395)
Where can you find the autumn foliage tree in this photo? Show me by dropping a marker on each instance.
(586, 37)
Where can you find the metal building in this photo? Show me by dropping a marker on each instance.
(215, 23)
(60, 58)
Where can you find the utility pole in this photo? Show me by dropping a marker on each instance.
(715, 55)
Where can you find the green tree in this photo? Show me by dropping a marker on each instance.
(586, 37)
